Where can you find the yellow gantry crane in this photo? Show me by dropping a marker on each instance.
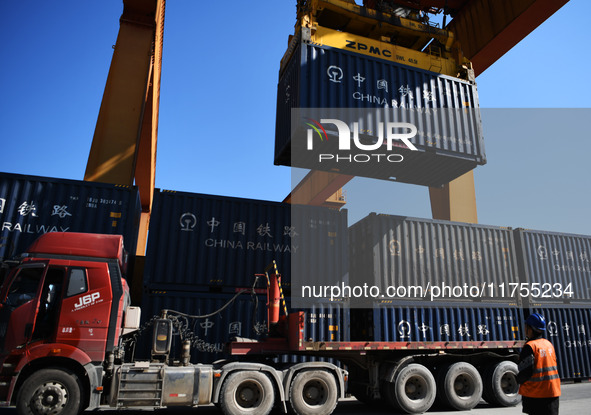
(480, 32)
(123, 148)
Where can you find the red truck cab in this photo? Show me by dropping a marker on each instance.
(64, 301)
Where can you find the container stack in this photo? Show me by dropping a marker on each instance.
(519, 271)
(437, 280)
(204, 249)
(31, 206)
(557, 270)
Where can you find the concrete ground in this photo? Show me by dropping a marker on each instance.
(575, 400)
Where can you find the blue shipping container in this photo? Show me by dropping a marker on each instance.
(200, 242)
(403, 252)
(556, 266)
(243, 318)
(392, 323)
(569, 330)
(445, 111)
(31, 206)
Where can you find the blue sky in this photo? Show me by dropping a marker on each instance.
(217, 107)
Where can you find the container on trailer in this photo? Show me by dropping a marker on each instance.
(245, 317)
(555, 266)
(204, 242)
(324, 82)
(433, 261)
(33, 205)
(388, 322)
(569, 330)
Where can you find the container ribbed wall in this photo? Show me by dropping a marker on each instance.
(399, 251)
(569, 330)
(392, 323)
(444, 109)
(201, 242)
(556, 262)
(31, 206)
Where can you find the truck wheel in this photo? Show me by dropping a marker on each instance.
(247, 392)
(50, 392)
(459, 386)
(413, 389)
(313, 392)
(500, 384)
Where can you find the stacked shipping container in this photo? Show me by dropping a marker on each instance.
(394, 322)
(558, 263)
(569, 330)
(539, 271)
(245, 317)
(402, 252)
(396, 251)
(214, 243)
(202, 249)
(557, 270)
(32, 205)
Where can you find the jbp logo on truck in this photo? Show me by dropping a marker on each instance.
(395, 134)
(87, 300)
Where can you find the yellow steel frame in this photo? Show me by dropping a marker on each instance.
(384, 50)
(349, 17)
(124, 142)
(319, 188)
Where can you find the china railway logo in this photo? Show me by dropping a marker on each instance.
(335, 74)
(188, 221)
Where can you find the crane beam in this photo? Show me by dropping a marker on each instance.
(316, 189)
(487, 29)
(124, 143)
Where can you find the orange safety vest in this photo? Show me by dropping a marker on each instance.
(545, 382)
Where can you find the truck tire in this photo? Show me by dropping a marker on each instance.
(313, 392)
(500, 384)
(413, 390)
(459, 386)
(50, 391)
(247, 392)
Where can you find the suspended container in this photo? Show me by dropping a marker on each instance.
(396, 323)
(31, 206)
(244, 318)
(556, 267)
(203, 242)
(324, 82)
(433, 261)
(569, 331)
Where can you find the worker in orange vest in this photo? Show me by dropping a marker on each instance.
(538, 372)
